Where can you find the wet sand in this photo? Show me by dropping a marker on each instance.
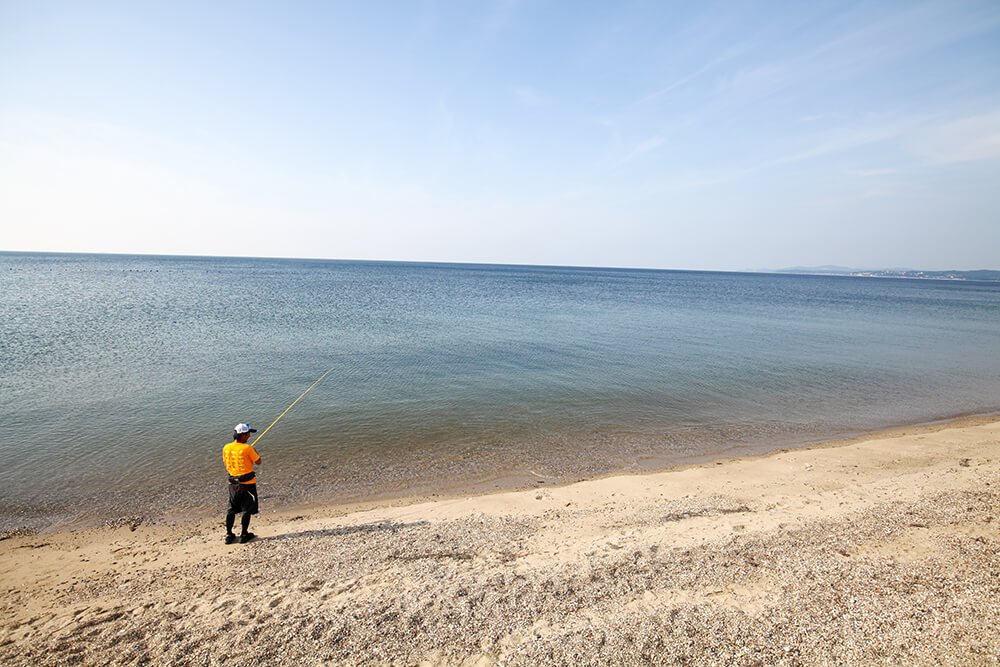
(883, 549)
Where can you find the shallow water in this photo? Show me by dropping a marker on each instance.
(121, 377)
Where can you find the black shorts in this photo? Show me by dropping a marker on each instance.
(243, 498)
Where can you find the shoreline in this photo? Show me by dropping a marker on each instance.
(466, 490)
(512, 482)
(881, 548)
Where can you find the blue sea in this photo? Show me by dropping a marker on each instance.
(121, 377)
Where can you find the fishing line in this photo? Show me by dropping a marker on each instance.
(290, 406)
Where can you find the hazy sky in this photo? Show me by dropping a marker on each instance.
(660, 134)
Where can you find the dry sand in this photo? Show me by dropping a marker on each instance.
(878, 550)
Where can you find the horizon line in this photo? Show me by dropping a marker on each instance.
(370, 260)
(782, 271)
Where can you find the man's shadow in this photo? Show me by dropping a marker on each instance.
(377, 527)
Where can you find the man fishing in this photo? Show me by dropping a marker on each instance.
(240, 459)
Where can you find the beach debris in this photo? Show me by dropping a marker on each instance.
(21, 531)
(132, 522)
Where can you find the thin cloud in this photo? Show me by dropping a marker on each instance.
(529, 96)
(815, 118)
(966, 140)
(499, 17)
(912, 30)
(688, 78)
(821, 146)
(758, 81)
(868, 173)
(642, 148)
(836, 143)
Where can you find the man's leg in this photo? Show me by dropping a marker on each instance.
(230, 520)
(246, 535)
(249, 509)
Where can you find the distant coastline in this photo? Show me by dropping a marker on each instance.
(980, 274)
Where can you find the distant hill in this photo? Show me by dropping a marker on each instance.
(981, 274)
(827, 268)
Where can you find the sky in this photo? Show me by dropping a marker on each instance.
(719, 136)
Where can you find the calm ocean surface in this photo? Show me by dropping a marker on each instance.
(121, 377)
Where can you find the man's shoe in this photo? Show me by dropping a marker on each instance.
(246, 537)
(230, 538)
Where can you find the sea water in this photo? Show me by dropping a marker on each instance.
(121, 377)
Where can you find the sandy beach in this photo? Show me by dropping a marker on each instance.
(883, 549)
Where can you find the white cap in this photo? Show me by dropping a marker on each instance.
(244, 428)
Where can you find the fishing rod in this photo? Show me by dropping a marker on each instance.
(290, 406)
